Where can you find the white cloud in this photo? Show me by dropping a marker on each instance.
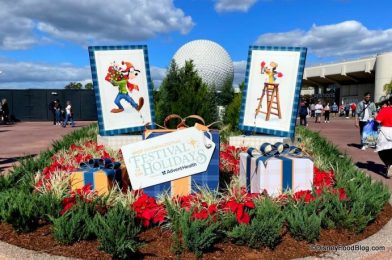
(233, 5)
(345, 39)
(239, 72)
(14, 74)
(157, 76)
(88, 22)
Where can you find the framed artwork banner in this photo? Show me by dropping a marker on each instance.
(272, 89)
(123, 88)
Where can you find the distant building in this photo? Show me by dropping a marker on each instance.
(347, 81)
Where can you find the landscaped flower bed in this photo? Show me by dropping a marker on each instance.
(36, 198)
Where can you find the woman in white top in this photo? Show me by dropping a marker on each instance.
(68, 115)
(318, 110)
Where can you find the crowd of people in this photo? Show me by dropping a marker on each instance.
(317, 110)
(61, 117)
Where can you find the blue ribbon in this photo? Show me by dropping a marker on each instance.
(269, 151)
(94, 165)
(248, 163)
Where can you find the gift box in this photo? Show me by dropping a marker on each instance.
(275, 174)
(189, 184)
(255, 140)
(101, 174)
(116, 142)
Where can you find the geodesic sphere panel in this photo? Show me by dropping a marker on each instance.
(211, 61)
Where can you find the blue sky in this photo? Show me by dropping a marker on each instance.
(43, 43)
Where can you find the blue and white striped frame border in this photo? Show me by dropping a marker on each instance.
(300, 73)
(91, 51)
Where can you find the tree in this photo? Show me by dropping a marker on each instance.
(226, 95)
(88, 86)
(182, 92)
(388, 88)
(232, 114)
(74, 85)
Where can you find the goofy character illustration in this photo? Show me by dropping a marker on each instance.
(270, 71)
(120, 76)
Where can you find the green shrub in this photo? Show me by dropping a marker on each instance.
(117, 232)
(265, 228)
(21, 209)
(49, 206)
(195, 235)
(343, 214)
(198, 235)
(74, 225)
(303, 221)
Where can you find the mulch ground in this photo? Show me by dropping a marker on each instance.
(158, 243)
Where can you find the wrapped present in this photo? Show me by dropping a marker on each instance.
(255, 140)
(117, 141)
(189, 184)
(274, 172)
(102, 174)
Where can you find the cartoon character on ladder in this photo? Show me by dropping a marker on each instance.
(120, 76)
(271, 88)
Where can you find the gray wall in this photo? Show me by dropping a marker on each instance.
(32, 104)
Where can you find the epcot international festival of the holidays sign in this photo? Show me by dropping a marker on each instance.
(167, 157)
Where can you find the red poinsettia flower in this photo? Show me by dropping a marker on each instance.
(304, 195)
(200, 213)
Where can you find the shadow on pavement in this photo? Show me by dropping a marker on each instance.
(380, 169)
(6, 163)
(355, 145)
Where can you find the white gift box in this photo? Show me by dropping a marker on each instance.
(117, 141)
(256, 140)
(275, 174)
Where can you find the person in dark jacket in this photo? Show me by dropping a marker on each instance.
(303, 113)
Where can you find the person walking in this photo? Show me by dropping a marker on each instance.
(347, 110)
(366, 110)
(68, 115)
(57, 109)
(384, 141)
(5, 110)
(326, 113)
(52, 110)
(312, 110)
(318, 110)
(303, 113)
(334, 109)
(353, 109)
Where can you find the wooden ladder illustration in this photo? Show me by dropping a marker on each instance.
(273, 101)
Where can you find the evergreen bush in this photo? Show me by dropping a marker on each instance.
(303, 221)
(117, 232)
(21, 209)
(75, 224)
(265, 228)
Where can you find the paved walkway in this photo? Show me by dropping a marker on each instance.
(343, 133)
(29, 138)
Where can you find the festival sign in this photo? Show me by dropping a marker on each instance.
(168, 157)
(123, 88)
(272, 88)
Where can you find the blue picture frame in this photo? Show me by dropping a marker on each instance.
(149, 111)
(289, 54)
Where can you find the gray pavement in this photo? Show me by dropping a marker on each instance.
(27, 138)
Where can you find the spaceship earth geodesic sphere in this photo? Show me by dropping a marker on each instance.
(211, 61)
